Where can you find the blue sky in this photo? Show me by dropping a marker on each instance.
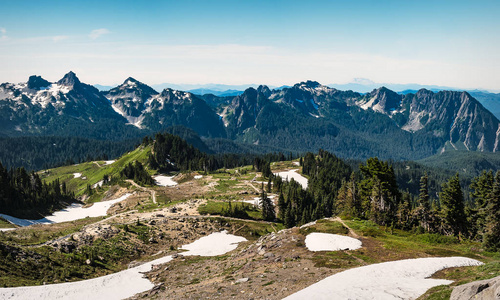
(450, 43)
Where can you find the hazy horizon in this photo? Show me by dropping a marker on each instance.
(441, 43)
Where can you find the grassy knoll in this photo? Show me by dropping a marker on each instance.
(230, 209)
(93, 172)
(38, 234)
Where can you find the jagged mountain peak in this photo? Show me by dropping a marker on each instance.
(312, 87)
(132, 85)
(264, 89)
(130, 80)
(308, 84)
(69, 79)
(36, 82)
(176, 96)
(382, 100)
(250, 92)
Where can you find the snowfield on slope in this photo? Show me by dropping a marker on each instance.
(123, 284)
(317, 241)
(70, 213)
(287, 175)
(163, 180)
(402, 279)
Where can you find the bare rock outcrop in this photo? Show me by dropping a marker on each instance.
(488, 289)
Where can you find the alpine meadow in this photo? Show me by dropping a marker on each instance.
(249, 150)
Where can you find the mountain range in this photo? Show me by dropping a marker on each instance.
(303, 117)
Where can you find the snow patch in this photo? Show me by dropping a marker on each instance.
(109, 162)
(256, 201)
(403, 279)
(163, 180)
(368, 104)
(198, 176)
(98, 184)
(123, 284)
(136, 121)
(317, 241)
(296, 176)
(77, 175)
(70, 213)
(215, 244)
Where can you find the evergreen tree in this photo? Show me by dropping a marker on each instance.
(481, 187)
(289, 216)
(452, 207)
(308, 164)
(281, 207)
(269, 184)
(491, 238)
(268, 213)
(423, 209)
(379, 191)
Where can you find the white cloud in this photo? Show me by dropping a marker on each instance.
(96, 33)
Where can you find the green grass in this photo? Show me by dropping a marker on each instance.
(461, 276)
(38, 234)
(45, 264)
(5, 224)
(388, 244)
(325, 226)
(239, 210)
(250, 230)
(92, 172)
(335, 260)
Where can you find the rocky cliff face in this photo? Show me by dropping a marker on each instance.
(147, 109)
(455, 117)
(129, 99)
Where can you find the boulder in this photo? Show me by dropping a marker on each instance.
(488, 289)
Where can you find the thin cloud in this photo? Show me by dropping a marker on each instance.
(96, 33)
(3, 34)
(58, 38)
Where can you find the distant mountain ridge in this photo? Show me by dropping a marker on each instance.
(304, 117)
(39, 107)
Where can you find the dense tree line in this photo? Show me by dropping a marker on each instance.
(24, 195)
(42, 152)
(372, 193)
(138, 173)
(298, 206)
(172, 153)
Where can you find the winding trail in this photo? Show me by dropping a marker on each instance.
(251, 185)
(351, 232)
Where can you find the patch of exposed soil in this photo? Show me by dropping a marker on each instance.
(273, 267)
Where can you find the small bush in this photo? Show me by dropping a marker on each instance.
(434, 238)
